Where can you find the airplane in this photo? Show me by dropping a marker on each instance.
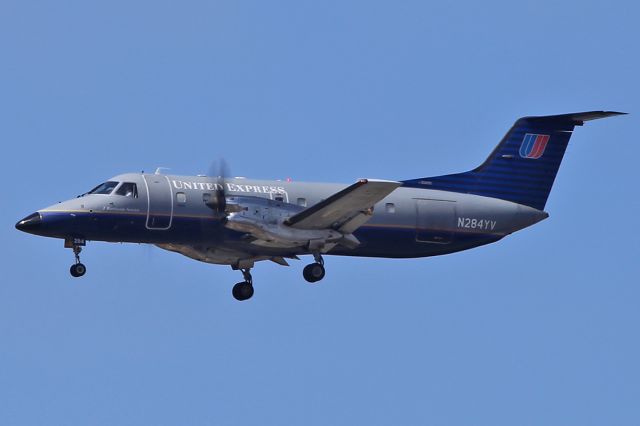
(239, 221)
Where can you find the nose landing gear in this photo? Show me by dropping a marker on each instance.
(77, 269)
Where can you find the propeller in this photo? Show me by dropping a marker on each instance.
(218, 200)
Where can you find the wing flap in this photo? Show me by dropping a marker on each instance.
(343, 206)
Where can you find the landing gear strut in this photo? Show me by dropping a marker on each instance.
(77, 269)
(314, 272)
(244, 289)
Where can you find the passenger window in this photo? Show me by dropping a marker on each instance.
(390, 207)
(105, 188)
(302, 202)
(181, 198)
(128, 189)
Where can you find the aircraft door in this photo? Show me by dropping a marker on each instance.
(160, 202)
(436, 221)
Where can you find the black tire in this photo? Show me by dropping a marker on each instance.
(242, 291)
(313, 272)
(77, 270)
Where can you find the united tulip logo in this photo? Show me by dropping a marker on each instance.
(533, 146)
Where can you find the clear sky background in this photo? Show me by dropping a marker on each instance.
(540, 328)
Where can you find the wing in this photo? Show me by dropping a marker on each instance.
(346, 210)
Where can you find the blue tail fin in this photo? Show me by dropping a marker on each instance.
(523, 166)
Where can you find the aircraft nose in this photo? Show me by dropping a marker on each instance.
(30, 223)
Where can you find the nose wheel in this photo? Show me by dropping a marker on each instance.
(77, 269)
(314, 272)
(244, 289)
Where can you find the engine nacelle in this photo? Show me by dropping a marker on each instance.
(277, 234)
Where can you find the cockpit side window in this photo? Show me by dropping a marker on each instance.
(104, 188)
(128, 189)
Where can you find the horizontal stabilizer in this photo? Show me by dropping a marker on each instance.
(576, 118)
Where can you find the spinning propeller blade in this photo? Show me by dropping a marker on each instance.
(218, 202)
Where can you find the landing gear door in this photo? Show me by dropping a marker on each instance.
(160, 202)
(436, 221)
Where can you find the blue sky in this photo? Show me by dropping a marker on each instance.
(540, 328)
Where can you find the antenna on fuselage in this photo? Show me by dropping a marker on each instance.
(160, 169)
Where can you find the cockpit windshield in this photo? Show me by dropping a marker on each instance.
(104, 188)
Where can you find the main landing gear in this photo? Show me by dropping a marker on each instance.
(244, 290)
(314, 272)
(77, 269)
